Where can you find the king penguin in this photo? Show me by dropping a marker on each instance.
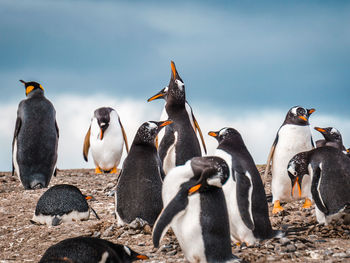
(89, 250)
(62, 203)
(106, 136)
(329, 170)
(163, 94)
(332, 137)
(244, 190)
(35, 140)
(139, 189)
(293, 136)
(180, 142)
(195, 208)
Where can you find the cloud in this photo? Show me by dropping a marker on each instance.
(258, 128)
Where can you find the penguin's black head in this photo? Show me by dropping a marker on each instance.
(148, 132)
(330, 134)
(297, 168)
(103, 118)
(163, 94)
(298, 116)
(226, 135)
(127, 254)
(176, 88)
(31, 86)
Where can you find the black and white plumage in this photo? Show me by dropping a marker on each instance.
(61, 203)
(293, 136)
(89, 250)
(195, 208)
(106, 137)
(35, 140)
(139, 188)
(244, 190)
(332, 137)
(329, 170)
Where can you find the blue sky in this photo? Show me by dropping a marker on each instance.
(237, 58)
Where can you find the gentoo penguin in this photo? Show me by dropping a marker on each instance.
(106, 136)
(62, 203)
(163, 94)
(329, 170)
(293, 136)
(195, 208)
(34, 145)
(244, 191)
(332, 137)
(139, 188)
(89, 250)
(180, 142)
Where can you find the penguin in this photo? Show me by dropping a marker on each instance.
(62, 203)
(139, 188)
(179, 143)
(332, 137)
(35, 140)
(293, 136)
(329, 171)
(163, 95)
(244, 191)
(106, 136)
(89, 250)
(195, 208)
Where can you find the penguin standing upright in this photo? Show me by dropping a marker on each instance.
(195, 208)
(244, 190)
(139, 189)
(180, 142)
(332, 137)
(35, 140)
(293, 136)
(106, 136)
(89, 250)
(329, 170)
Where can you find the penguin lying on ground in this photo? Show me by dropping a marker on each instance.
(293, 136)
(89, 250)
(180, 142)
(62, 203)
(106, 136)
(329, 170)
(163, 94)
(332, 137)
(139, 189)
(35, 140)
(195, 208)
(244, 191)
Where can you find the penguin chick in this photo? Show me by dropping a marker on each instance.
(89, 250)
(35, 140)
(329, 170)
(139, 189)
(62, 203)
(332, 137)
(106, 136)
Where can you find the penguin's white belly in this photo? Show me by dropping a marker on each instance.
(66, 218)
(163, 117)
(169, 161)
(292, 139)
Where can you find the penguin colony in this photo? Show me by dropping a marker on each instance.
(209, 202)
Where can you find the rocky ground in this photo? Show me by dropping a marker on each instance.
(21, 241)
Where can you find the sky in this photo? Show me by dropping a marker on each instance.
(244, 64)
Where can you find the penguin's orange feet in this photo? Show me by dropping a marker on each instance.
(98, 170)
(114, 170)
(307, 203)
(277, 207)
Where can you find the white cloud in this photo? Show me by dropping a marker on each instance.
(258, 128)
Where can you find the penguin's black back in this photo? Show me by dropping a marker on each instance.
(37, 140)
(61, 199)
(139, 190)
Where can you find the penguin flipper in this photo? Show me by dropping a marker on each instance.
(124, 136)
(175, 206)
(244, 198)
(314, 190)
(17, 128)
(200, 133)
(269, 159)
(57, 130)
(86, 144)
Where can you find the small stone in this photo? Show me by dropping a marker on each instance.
(172, 253)
(165, 248)
(300, 246)
(96, 234)
(284, 241)
(147, 230)
(341, 255)
(291, 248)
(108, 232)
(328, 252)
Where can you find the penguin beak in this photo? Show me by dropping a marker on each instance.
(296, 183)
(213, 134)
(320, 129)
(173, 70)
(23, 81)
(310, 111)
(304, 118)
(161, 94)
(194, 189)
(142, 257)
(165, 123)
(103, 128)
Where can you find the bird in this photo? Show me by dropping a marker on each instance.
(332, 137)
(195, 208)
(139, 187)
(106, 137)
(35, 140)
(293, 136)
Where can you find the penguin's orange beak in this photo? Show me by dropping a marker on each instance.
(194, 189)
(101, 134)
(303, 118)
(299, 188)
(157, 96)
(142, 257)
(165, 123)
(173, 68)
(213, 134)
(320, 129)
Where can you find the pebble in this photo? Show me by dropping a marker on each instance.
(284, 241)
(341, 255)
(108, 232)
(291, 248)
(147, 230)
(96, 234)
